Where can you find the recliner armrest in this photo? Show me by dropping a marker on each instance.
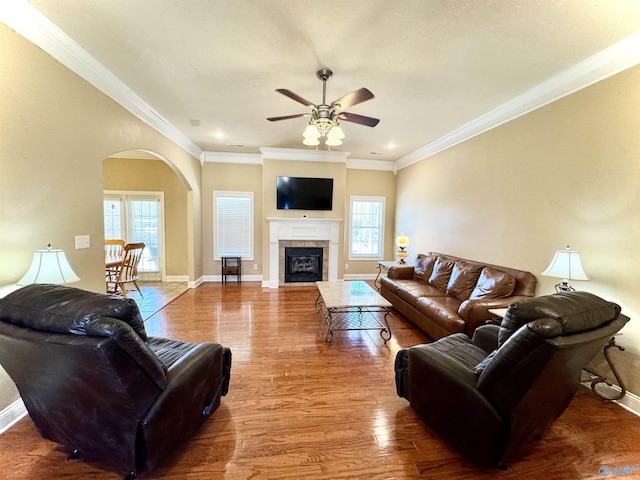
(195, 381)
(443, 392)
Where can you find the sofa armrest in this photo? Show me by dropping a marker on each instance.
(476, 312)
(486, 337)
(401, 272)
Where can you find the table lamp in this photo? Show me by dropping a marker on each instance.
(402, 241)
(567, 266)
(49, 266)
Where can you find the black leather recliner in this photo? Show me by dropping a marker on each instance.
(93, 381)
(488, 396)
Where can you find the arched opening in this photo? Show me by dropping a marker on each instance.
(146, 199)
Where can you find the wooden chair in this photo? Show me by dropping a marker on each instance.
(113, 248)
(113, 252)
(127, 271)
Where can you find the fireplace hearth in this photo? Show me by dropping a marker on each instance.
(302, 264)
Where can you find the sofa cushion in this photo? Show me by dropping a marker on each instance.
(443, 311)
(410, 291)
(441, 273)
(464, 277)
(424, 266)
(493, 283)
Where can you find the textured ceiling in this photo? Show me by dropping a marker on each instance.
(211, 67)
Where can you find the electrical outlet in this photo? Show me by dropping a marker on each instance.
(83, 241)
(255, 266)
(346, 266)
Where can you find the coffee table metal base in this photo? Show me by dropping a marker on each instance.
(354, 318)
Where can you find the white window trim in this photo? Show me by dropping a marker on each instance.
(250, 195)
(360, 198)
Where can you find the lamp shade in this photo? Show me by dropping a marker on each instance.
(311, 132)
(49, 266)
(566, 264)
(402, 240)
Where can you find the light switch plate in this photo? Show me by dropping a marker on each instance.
(83, 241)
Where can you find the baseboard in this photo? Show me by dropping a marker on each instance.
(11, 414)
(196, 283)
(630, 401)
(176, 278)
(232, 278)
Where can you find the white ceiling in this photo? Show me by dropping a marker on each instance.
(434, 66)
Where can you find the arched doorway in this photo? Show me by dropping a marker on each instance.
(146, 200)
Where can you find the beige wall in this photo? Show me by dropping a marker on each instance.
(55, 131)
(377, 184)
(231, 177)
(156, 176)
(566, 174)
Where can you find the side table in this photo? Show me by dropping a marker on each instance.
(231, 266)
(383, 265)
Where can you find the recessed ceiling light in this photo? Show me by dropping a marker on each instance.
(391, 146)
(219, 135)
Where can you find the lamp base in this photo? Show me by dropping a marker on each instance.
(401, 254)
(564, 286)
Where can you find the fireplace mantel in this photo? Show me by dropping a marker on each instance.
(301, 229)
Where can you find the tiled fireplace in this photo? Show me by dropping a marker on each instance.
(302, 262)
(284, 233)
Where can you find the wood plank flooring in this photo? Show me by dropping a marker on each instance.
(298, 408)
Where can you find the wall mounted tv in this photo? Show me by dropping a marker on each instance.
(301, 193)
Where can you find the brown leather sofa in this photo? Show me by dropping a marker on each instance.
(443, 294)
(491, 395)
(93, 381)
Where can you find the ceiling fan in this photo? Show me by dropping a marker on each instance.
(324, 117)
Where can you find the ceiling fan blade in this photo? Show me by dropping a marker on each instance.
(353, 98)
(287, 117)
(297, 98)
(360, 119)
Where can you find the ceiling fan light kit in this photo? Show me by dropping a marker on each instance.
(324, 117)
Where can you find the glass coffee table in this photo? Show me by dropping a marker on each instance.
(352, 305)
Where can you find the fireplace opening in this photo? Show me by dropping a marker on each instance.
(302, 264)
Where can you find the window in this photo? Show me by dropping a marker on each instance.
(367, 228)
(233, 224)
(136, 217)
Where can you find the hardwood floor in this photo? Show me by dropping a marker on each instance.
(299, 408)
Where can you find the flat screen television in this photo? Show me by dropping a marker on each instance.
(301, 193)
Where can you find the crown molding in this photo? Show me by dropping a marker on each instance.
(615, 59)
(360, 164)
(298, 155)
(39, 30)
(231, 157)
(302, 155)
